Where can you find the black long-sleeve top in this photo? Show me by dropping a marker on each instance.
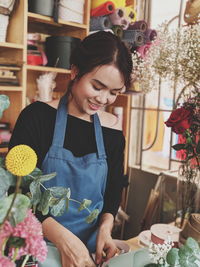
(35, 127)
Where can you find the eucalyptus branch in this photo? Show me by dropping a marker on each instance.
(76, 201)
(19, 179)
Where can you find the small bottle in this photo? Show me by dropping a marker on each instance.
(118, 111)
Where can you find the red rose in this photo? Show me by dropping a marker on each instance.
(180, 120)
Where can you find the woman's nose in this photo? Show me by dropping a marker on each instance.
(102, 97)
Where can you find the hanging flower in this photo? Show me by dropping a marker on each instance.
(173, 56)
(21, 160)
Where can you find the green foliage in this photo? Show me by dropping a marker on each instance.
(54, 200)
(198, 148)
(6, 180)
(15, 242)
(85, 204)
(178, 147)
(19, 209)
(93, 215)
(185, 256)
(173, 257)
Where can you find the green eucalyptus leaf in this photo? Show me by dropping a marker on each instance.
(93, 215)
(35, 192)
(6, 180)
(44, 203)
(192, 243)
(2, 162)
(85, 204)
(198, 148)
(15, 242)
(59, 209)
(53, 201)
(185, 252)
(172, 257)
(36, 172)
(60, 192)
(4, 206)
(178, 147)
(46, 177)
(20, 207)
(151, 265)
(67, 204)
(27, 180)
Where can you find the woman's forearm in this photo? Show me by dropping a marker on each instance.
(54, 231)
(106, 222)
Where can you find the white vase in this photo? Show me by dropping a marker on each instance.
(4, 19)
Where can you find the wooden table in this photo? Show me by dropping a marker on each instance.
(133, 243)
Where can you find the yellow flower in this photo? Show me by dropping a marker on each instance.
(21, 160)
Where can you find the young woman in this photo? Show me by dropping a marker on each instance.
(84, 145)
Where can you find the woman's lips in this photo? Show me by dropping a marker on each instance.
(94, 106)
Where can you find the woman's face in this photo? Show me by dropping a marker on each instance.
(96, 89)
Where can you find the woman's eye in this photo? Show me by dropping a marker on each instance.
(114, 93)
(96, 88)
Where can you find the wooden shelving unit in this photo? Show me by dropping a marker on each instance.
(12, 45)
(23, 22)
(47, 69)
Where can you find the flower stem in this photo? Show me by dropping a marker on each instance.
(19, 179)
(15, 255)
(74, 200)
(25, 260)
(4, 246)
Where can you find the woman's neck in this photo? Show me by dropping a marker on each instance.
(74, 111)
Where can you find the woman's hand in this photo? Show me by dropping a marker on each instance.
(106, 247)
(72, 250)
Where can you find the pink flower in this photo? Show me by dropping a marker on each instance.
(5, 232)
(5, 262)
(31, 230)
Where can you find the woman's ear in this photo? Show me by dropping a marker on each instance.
(74, 72)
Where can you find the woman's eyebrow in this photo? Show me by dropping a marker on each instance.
(105, 86)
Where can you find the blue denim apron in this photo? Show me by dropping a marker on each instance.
(85, 176)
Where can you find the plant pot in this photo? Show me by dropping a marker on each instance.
(43, 7)
(58, 50)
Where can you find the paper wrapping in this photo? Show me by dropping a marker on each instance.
(140, 25)
(118, 17)
(118, 3)
(134, 37)
(118, 30)
(104, 9)
(100, 23)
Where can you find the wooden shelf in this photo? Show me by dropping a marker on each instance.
(11, 88)
(11, 45)
(33, 17)
(47, 69)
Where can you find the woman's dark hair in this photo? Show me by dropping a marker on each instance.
(99, 49)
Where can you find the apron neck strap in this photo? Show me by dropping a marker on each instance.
(61, 125)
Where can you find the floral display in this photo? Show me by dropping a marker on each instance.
(21, 160)
(174, 56)
(164, 255)
(24, 239)
(185, 121)
(20, 231)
